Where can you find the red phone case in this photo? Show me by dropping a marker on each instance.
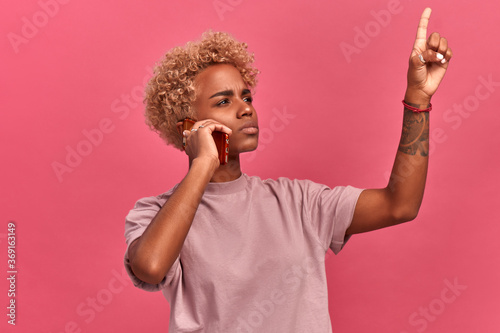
(221, 140)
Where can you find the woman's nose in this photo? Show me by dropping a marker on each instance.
(245, 109)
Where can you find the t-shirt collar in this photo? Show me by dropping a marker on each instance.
(227, 187)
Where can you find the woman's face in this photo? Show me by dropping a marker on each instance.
(222, 95)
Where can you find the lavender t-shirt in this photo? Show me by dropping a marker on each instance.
(254, 258)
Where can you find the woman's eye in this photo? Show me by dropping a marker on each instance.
(222, 102)
(248, 99)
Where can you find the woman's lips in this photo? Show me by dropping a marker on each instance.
(250, 128)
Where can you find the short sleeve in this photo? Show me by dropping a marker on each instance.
(136, 223)
(331, 212)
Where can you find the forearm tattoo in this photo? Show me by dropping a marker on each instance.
(415, 135)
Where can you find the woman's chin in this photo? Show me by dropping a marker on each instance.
(243, 149)
(250, 149)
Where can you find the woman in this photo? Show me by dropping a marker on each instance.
(234, 253)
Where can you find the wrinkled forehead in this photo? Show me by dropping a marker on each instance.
(216, 78)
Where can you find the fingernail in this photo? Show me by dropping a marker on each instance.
(439, 56)
(443, 61)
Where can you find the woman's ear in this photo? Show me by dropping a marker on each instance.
(179, 127)
(182, 126)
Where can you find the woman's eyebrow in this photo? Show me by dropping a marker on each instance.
(223, 93)
(230, 93)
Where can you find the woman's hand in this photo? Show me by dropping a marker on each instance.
(428, 63)
(200, 143)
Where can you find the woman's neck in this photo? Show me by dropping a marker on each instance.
(227, 172)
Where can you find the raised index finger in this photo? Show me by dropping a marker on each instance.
(422, 29)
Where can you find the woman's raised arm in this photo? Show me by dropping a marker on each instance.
(401, 199)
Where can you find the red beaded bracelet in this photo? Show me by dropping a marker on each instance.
(414, 109)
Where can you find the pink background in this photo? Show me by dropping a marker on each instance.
(70, 69)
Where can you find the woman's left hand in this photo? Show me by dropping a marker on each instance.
(428, 63)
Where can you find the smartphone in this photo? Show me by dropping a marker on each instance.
(221, 140)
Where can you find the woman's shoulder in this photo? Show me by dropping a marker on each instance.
(154, 200)
(285, 183)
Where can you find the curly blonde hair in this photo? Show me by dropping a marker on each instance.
(171, 90)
